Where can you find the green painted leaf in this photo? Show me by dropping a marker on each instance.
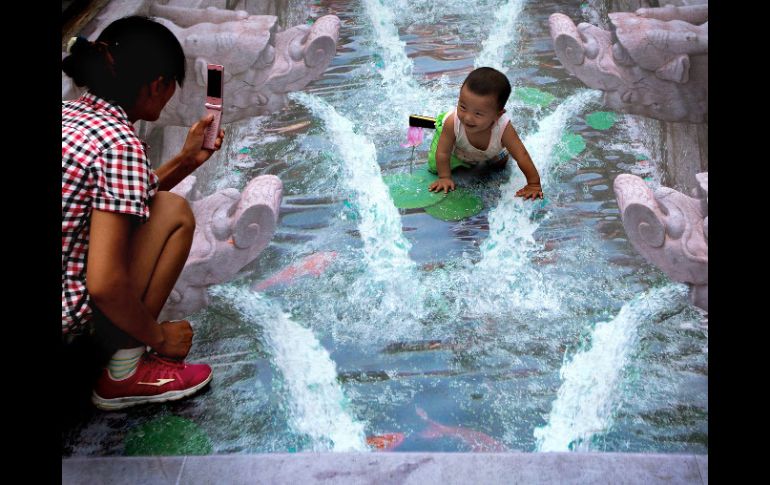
(410, 191)
(458, 204)
(167, 435)
(569, 147)
(534, 96)
(601, 120)
(243, 150)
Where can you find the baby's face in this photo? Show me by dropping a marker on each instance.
(477, 112)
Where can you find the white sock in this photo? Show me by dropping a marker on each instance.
(123, 363)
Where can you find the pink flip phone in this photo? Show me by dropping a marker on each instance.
(214, 86)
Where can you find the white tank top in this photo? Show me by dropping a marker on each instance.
(468, 153)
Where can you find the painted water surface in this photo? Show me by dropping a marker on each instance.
(531, 326)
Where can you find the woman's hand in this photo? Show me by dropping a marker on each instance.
(177, 339)
(444, 183)
(193, 151)
(530, 190)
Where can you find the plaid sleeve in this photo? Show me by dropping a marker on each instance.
(124, 181)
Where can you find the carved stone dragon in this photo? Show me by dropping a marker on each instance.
(653, 63)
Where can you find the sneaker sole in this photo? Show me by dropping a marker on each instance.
(124, 402)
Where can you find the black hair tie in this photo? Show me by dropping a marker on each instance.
(75, 43)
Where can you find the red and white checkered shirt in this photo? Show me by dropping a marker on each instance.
(104, 166)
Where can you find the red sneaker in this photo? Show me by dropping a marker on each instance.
(156, 380)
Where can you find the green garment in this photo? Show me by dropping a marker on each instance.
(454, 162)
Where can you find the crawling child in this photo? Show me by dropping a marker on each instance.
(477, 132)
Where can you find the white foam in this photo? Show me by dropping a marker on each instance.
(507, 251)
(398, 86)
(586, 399)
(388, 280)
(385, 246)
(501, 35)
(317, 404)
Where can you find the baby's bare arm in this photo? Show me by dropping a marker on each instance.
(516, 148)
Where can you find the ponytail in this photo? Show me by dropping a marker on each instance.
(130, 53)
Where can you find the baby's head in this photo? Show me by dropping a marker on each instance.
(482, 98)
(486, 81)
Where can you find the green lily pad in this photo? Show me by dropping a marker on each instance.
(569, 147)
(534, 96)
(410, 191)
(244, 150)
(640, 156)
(458, 204)
(601, 120)
(167, 435)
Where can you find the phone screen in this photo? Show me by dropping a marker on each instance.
(214, 87)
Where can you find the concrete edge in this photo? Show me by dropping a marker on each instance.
(406, 468)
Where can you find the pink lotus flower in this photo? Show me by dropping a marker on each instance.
(414, 137)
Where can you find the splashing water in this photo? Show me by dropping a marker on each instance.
(506, 251)
(385, 247)
(212, 177)
(398, 83)
(317, 404)
(389, 274)
(550, 130)
(584, 403)
(432, 12)
(500, 36)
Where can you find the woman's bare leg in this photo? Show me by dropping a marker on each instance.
(159, 250)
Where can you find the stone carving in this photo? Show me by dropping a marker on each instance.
(231, 230)
(669, 229)
(654, 62)
(261, 64)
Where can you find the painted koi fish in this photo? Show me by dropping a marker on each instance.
(478, 441)
(314, 265)
(385, 442)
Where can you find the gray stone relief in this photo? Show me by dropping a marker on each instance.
(261, 64)
(669, 229)
(232, 228)
(654, 62)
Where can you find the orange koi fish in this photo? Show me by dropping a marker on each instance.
(478, 441)
(314, 265)
(385, 442)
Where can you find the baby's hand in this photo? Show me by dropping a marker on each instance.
(530, 190)
(445, 184)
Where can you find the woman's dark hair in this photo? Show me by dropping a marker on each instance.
(486, 80)
(130, 53)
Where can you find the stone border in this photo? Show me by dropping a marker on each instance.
(383, 468)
